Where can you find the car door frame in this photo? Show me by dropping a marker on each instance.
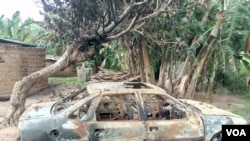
(122, 130)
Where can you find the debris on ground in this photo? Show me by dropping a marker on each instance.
(106, 75)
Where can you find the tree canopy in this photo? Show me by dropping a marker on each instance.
(95, 21)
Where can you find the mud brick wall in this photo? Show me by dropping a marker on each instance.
(16, 62)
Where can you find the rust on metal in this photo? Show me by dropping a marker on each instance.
(124, 111)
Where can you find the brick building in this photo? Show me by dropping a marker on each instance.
(17, 60)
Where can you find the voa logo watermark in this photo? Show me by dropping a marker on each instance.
(236, 132)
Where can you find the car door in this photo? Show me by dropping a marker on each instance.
(74, 118)
(166, 120)
(116, 118)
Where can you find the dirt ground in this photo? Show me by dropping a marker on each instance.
(57, 91)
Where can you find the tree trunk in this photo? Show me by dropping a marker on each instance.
(196, 75)
(182, 82)
(148, 67)
(163, 69)
(141, 65)
(208, 95)
(183, 79)
(203, 56)
(247, 50)
(126, 66)
(131, 54)
(22, 87)
(188, 79)
(170, 72)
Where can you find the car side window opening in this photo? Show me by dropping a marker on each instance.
(84, 111)
(68, 101)
(81, 112)
(117, 107)
(157, 107)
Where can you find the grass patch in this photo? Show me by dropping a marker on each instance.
(245, 110)
(67, 80)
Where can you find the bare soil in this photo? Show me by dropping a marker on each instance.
(57, 91)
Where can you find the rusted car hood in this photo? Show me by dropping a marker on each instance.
(207, 109)
(213, 117)
(39, 110)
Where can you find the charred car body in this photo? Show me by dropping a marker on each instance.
(124, 111)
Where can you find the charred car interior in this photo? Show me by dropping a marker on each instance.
(127, 106)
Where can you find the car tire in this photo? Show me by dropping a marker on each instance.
(217, 137)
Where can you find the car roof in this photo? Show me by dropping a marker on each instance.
(120, 88)
(109, 88)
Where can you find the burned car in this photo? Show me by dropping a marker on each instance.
(124, 111)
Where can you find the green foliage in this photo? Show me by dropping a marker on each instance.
(245, 62)
(244, 110)
(31, 32)
(175, 30)
(113, 56)
(16, 29)
(232, 65)
(232, 81)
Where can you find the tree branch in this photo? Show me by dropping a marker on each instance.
(156, 12)
(132, 24)
(113, 24)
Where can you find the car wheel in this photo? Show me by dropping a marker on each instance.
(217, 137)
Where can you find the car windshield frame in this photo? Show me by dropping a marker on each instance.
(69, 106)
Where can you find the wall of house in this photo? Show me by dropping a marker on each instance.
(16, 62)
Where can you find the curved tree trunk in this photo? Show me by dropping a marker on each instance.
(22, 87)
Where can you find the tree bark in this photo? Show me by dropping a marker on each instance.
(192, 85)
(141, 65)
(188, 78)
(203, 56)
(148, 67)
(22, 87)
(131, 58)
(183, 79)
(163, 69)
(247, 50)
(208, 95)
(170, 72)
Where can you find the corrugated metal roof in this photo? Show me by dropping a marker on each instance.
(16, 42)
